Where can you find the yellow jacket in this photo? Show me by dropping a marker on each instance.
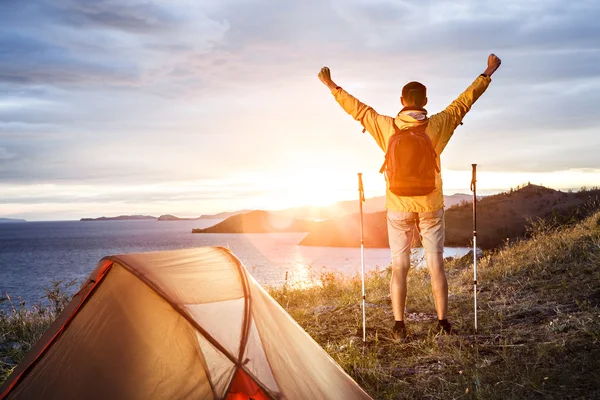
(440, 129)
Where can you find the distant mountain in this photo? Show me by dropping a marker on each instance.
(345, 232)
(335, 210)
(348, 207)
(224, 215)
(499, 217)
(169, 217)
(302, 215)
(457, 198)
(258, 222)
(121, 218)
(7, 220)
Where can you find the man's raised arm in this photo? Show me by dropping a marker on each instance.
(456, 111)
(377, 125)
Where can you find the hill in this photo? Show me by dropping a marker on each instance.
(11, 220)
(169, 217)
(224, 215)
(336, 210)
(345, 232)
(499, 217)
(508, 216)
(258, 222)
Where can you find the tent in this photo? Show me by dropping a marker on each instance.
(183, 324)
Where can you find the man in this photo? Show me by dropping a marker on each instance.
(427, 211)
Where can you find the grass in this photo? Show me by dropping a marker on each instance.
(21, 326)
(539, 323)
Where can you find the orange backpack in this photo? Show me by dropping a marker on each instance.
(410, 162)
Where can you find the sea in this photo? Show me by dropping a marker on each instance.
(33, 255)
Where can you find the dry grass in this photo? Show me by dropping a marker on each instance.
(22, 326)
(539, 324)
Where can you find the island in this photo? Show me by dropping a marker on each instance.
(11, 220)
(169, 217)
(302, 218)
(121, 218)
(259, 221)
(224, 215)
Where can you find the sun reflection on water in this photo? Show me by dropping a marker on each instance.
(300, 276)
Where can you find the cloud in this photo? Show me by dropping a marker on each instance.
(182, 44)
(73, 43)
(133, 17)
(5, 155)
(134, 92)
(183, 192)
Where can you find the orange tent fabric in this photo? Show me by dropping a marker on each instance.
(244, 388)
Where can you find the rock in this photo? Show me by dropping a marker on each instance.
(323, 309)
(355, 339)
(8, 361)
(421, 317)
(468, 258)
(10, 346)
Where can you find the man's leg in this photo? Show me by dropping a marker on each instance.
(400, 267)
(432, 234)
(400, 232)
(439, 284)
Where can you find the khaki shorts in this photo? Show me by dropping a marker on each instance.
(401, 228)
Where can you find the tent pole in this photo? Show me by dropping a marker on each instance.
(361, 198)
(474, 189)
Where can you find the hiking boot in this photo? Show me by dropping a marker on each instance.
(446, 328)
(399, 332)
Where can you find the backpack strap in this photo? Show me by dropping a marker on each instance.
(387, 153)
(421, 130)
(437, 168)
(385, 161)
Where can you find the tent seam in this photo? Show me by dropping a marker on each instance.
(246, 287)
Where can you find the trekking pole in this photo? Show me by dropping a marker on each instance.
(474, 189)
(361, 198)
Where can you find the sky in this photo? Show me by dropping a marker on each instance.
(188, 107)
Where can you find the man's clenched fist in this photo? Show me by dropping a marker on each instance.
(325, 75)
(493, 64)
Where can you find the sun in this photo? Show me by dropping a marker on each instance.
(312, 186)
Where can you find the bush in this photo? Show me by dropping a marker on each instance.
(22, 326)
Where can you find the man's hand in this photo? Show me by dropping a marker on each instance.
(325, 77)
(493, 64)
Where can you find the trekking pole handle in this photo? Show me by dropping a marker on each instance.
(361, 190)
(474, 177)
